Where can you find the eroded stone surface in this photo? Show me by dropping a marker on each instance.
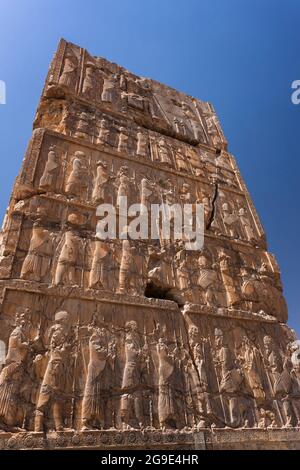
(135, 343)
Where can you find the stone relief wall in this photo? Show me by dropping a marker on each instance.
(136, 335)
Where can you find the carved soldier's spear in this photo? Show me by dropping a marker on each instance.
(273, 393)
(148, 370)
(75, 368)
(180, 367)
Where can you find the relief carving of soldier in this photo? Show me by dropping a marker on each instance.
(181, 160)
(38, 260)
(198, 377)
(49, 175)
(102, 265)
(196, 125)
(84, 127)
(207, 278)
(101, 183)
(252, 364)
(135, 366)
(142, 144)
(124, 184)
(231, 221)
(90, 80)
(147, 190)
(246, 225)
(295, 357)
(104, 133)
(68, 76)
(167, 384)
(77, 181)
(108, 90)
(230, 381)
(261, 292)
(123, 140)
(228, 278)
(55, 389)
(283, 383)
(164, 153)
(131, 279)
(181, 264)
(13, 376)
(101, 357)
(66, 270)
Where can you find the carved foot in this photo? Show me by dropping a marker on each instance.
(86, 428)
(201, 424)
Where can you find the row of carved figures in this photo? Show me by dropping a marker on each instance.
(229, 219)
(78, 178)
(137, 142)
(254, 388)
(187, 120)
(127, 266)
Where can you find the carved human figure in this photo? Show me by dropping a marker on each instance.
(90, 80)
(198, 376)
(54, 388)
(207, 278)
(147, 188)
(284, 386)
(251, 361)
(77, 180)
(38, 259)
(131, 266)
(101, 266)
(295, 358)
(168, 198)
(269, 292)
(12, 376)
(67, 261)
(246, 224)
(101, 182)
(179, 126)
(208, 209)
(253, 368)
(48, 178)
(164, 153)
(84, 126)
(101, 354)
(228, 278)
(181, 160)
(104, 133)
(231, 221)
(123, 184)
(142, 144)
(108, 90)
(68, 76)
(131, 401)
(231, 378)
(213, 130)
(196, 126)
(182, 270)
(196, 163)
(189, 207)
(123, 140)
(166, 401)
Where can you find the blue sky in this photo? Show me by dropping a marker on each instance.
(241, 55)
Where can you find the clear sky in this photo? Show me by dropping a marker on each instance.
(241, 55)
